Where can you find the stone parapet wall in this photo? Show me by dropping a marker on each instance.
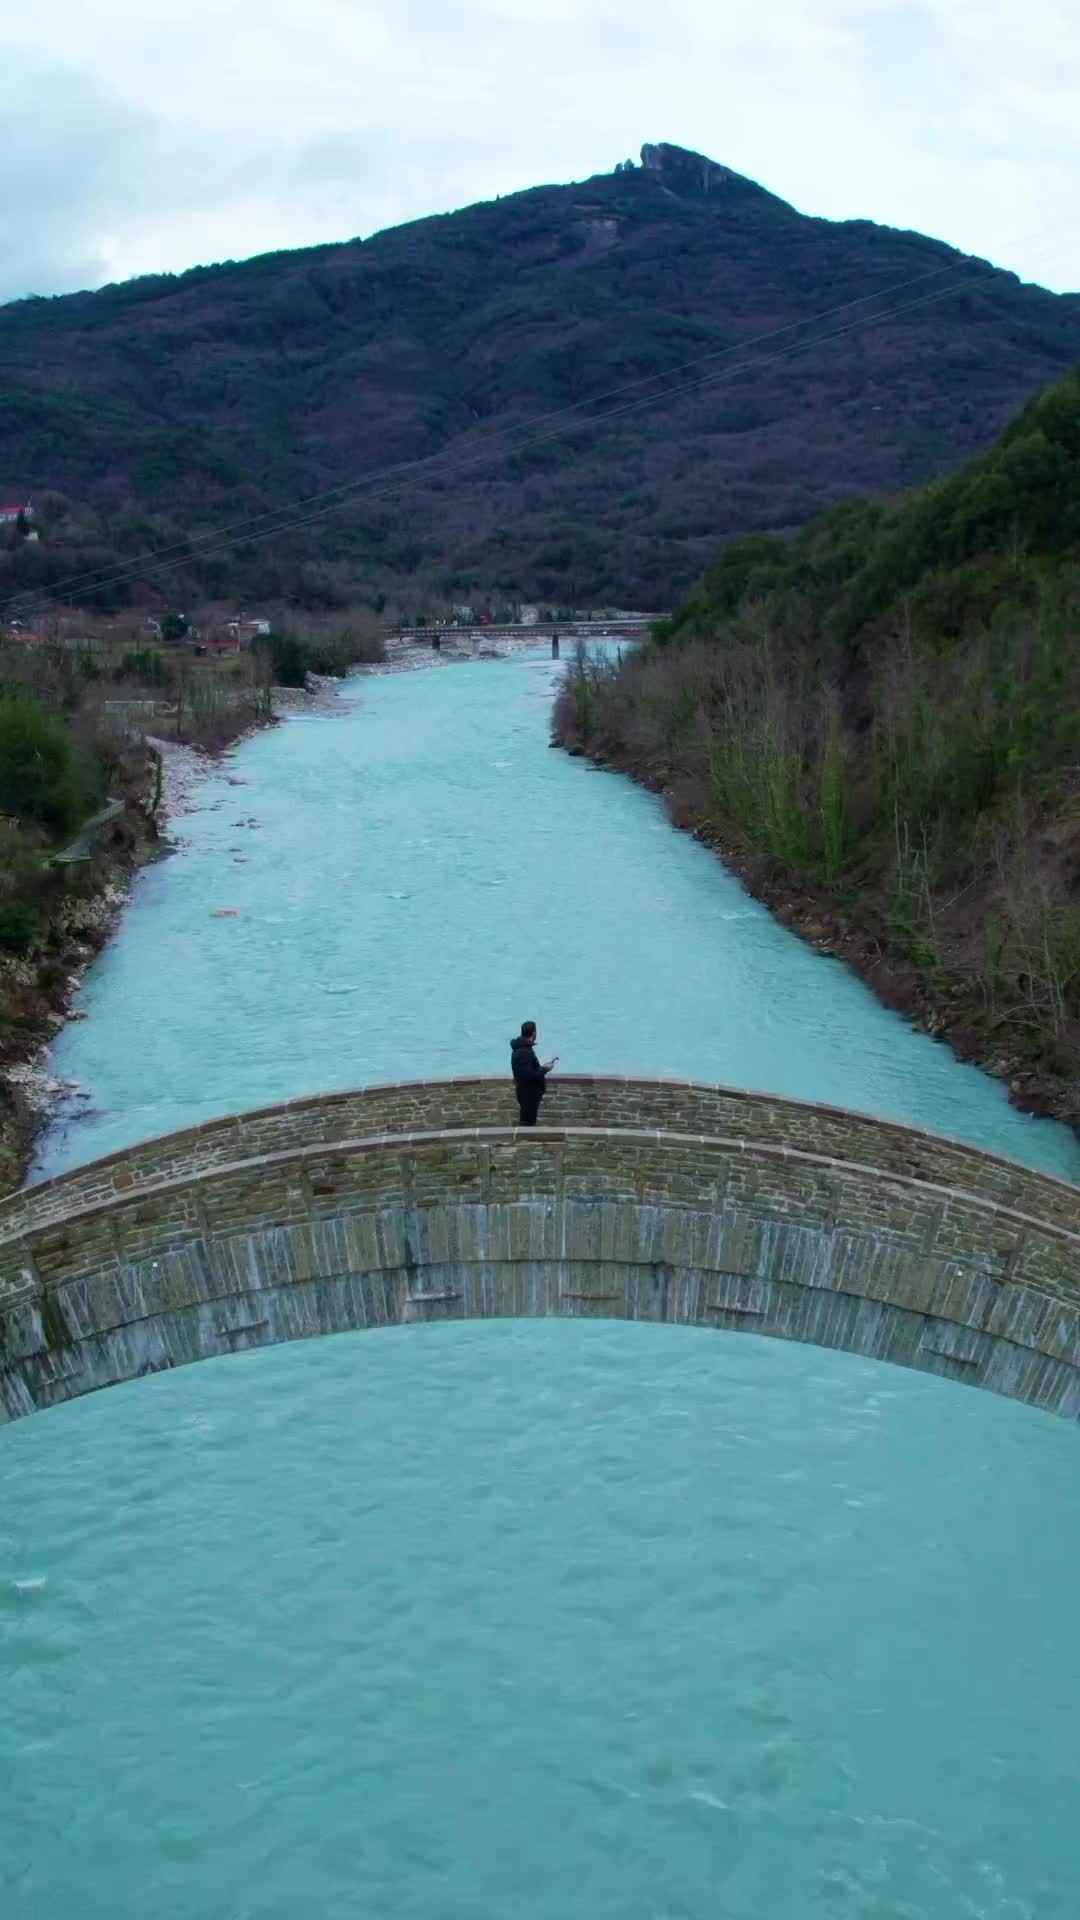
(574, 1101)
(655, 1224)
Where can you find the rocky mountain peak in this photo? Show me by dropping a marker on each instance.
(686, 171)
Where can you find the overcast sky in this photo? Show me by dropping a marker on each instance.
(173, 132)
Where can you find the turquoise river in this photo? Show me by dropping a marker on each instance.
(544, 1621)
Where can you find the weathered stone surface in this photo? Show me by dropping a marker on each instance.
(590, 1102)
(409, 1204)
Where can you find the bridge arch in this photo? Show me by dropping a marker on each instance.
(644, 1200)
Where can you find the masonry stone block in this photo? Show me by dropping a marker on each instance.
(22, 1332)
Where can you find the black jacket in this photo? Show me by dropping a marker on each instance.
(530, 1080)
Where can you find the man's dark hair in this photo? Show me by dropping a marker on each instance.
(528, 1029)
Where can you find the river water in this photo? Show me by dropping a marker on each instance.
(551, 1620)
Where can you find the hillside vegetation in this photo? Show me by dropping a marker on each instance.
(878, 720)
(60, 761)
(175, 407)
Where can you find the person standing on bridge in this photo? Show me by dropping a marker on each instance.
(530, 1077)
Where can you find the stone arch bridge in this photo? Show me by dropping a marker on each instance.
(643, 1200)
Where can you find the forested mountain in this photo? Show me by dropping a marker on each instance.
(171, 406)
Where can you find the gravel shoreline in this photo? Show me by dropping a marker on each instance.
(184, 768)
(412, 656)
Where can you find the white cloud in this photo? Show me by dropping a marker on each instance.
(187, 131)
(66, 147)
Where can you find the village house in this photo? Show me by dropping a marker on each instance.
(246, 632)
(10, 513)
(49, 625)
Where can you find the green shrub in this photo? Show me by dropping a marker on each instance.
(288, 659)
(37, 778)
(142, 663)
(293, 657)
(18, 927)
(329, 653)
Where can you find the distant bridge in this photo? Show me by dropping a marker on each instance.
(642, 1200)
(634, 627)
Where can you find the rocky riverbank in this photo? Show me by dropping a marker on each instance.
(945, 1002)
(37, 990)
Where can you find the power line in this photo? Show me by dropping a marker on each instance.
(187, 549)
(293, 518)
(184, 552)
